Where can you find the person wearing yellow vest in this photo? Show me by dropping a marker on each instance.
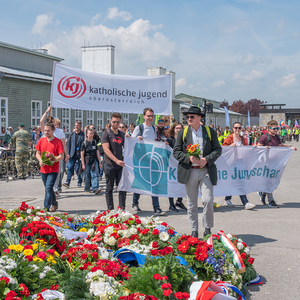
(220, 137)
(296, 134)
(289, 134)
(226, 132)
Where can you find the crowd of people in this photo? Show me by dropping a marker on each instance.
(90, 155)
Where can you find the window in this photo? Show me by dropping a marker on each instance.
(36, 112)
(3, 115)
(100, 120)
(66, 120)
(53, 111)
(125, 118)
(108, 117)
(89, 117)
(78, 115)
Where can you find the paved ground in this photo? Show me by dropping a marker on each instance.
(273, 234)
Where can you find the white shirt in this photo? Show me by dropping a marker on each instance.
(59, 133)
(197, 139)
(149, 132)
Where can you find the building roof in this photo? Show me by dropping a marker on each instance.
(20, 74)
(35, 52)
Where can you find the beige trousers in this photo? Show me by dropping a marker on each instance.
(200, 178)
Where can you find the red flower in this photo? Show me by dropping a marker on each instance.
(183, 247)
(168, 250)
(201, 253)
(167, 293)
(29, 258)
(39, 296)
(138, 221)
(7, 251)
(193, 240)
(155, 244)
(171, 232)
(145, 231)
(155, 232)
(24, 290)
(154, 252)
(6, 279)
(83, 256)
(42, 255)
(251, 260)
(243, 255)
(54, 287)
(50, 251)
(180, 295)
(166, 286)
(157, 277)
(164, 278)
(95, 255)
(164, 224)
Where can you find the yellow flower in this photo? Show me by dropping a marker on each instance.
(37, 259)
(52, 219)
(34, 246)
(28, 252)
(9, 215)
(54, 261)
(12, 247)
(19, 248)
(82, 229)
(56, 253)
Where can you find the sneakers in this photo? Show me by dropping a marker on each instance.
(180, 206)
(249, 205)
(273, 204)
(159, 212)
(262, 197)
(136, 209)
(216, 205)
(172, 208)
(228, 203)
(57, 194)
(67, 185)
(87, 192)
(79, 185)
(53, 208)
(97, 191)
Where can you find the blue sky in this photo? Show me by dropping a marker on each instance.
(234, 49)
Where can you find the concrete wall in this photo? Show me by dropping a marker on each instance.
(266, 117)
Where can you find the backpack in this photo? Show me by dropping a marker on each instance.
(269, 138)
(141, 128)
(100, 147)
(186, 129)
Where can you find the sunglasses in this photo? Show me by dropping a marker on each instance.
(190, 117)
(92, 127)
(178, 128)
(121, 127)
(116, 122)
(239, 128)
(274, 128)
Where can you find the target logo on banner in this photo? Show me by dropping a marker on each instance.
(71, 87)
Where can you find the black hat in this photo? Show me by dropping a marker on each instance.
(195, 110)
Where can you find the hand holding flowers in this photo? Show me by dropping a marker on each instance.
(48, 158)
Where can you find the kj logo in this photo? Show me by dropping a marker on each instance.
(71, 87)
(150, 168)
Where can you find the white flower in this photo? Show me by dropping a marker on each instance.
(37, 207)
(3, 231)
(34, 267)
(109, 230)
(29, 211)
(125, 233)
(28, 218)
(229, 236)
(247, 250)
(98, 212)
(239, 245)
(42, 275)
(133, 230)
(240, 240)
(91, 232)
(36, 218)
(111, 241)
(164, 236)
(19, 220)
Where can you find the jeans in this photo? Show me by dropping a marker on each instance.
(49, 180)
(242, 197)
(91, 176)
(171, 201)
(71, 165)
(60, 175)
(113, 174)
(136, 197)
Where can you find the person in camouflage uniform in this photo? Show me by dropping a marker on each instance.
(21, 140)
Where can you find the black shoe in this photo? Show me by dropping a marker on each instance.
(172, 208)
(159, 212)
(262, 197)
(194, 233)
(67, 185)
(136, 209)
(180, 206)
(206, 232)
(273, 204)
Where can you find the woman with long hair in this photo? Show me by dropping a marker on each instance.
(172, 136)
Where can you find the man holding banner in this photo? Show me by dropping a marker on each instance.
(198, 172)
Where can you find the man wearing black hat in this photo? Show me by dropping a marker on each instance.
(198, 172)
(21, 140)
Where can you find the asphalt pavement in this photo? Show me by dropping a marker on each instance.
(272, 233)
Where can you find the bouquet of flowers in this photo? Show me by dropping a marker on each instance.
(48, 158)
(194, 150)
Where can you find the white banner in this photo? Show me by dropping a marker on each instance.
(79, 89)
(151, 169)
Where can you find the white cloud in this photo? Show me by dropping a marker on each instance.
(253, 75)
(41, 22)
(288, 81)
(135, 46)
(114, 13)
(218, 83)
(95, 19)
(181, 82)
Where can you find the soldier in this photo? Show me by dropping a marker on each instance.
(21, 139)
